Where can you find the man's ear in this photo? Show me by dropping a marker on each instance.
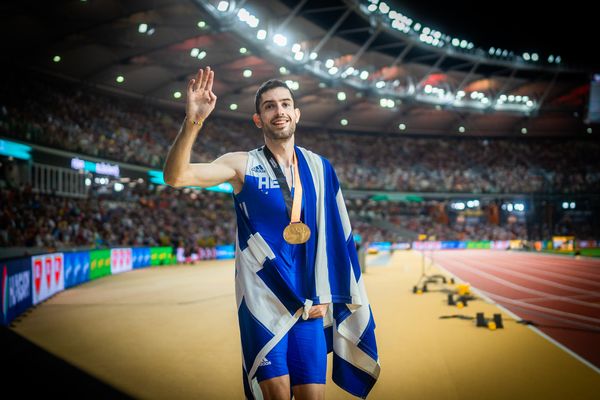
(297, 110)
(256, 119)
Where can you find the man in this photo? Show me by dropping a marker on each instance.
(293, 255)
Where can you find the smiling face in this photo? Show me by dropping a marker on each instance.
(277, 117)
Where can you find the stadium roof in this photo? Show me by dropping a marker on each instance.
(376, 67)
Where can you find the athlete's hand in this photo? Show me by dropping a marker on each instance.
(200, 98)
(318, 311)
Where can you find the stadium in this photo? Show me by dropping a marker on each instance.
(467, 156)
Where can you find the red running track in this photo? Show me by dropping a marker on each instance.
(561, 295)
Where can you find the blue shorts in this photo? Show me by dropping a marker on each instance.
(301, 353)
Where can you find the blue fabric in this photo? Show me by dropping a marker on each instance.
(301, 353)
(280, 281)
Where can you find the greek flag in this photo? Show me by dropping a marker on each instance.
(268, 307)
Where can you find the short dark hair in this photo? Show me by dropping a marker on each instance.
(268, 85)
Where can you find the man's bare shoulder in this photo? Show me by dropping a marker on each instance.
(236, 160)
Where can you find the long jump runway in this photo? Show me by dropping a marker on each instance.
(171, 333)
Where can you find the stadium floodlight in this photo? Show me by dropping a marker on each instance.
(589, 130)
(299, 56)
(233, 106)
(461, 129)
(88, 182)
(177, 95)
(56, 59)
(372, 8)
(572, 205)
(349, 71)
(118, 186)
(428, 89)
(526, 56)
(201, 24)
(384, 8)
(550, 58)
(402, 127)
(333, 70)
(201, 55)
(557, 60)
(524, 131)
(313, 55)
(120, 79)
(519, 207)
(284, 71)
(380, 84)
(279, 39)
(194, 52)
(261, 34)
(364, 75)
(341, 96)
(343, 122)
(509, 207)
(247, 73)
(535, 57)
(329, 63)
(243, 50)
(223, 6)
(142, 28)
(296, 47)
(565, 205)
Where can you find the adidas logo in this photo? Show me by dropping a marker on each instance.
(259, 168)
(264, 362)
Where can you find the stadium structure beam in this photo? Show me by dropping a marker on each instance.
(291, 15)
(332, 31)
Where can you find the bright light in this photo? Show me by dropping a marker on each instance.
(428, 89)
(524, 131)
(142, 28)
(589, 130)
(118, 187)
(194, 52)
(565, 205)
(293, 85)
(88, 182)
(247, 73)
(279, 39)
(223, 6)
(56, 59)
(120, 79)
(519, 207)
(233, 106)
(333, 70)
(177, 95)
(201, 24)
(572, 205)
(364, 75)
(372, 7)
(341, 96)
(243, 50)
(329, 63)
(344, 122)
(299, 56)
(402, 127)
(384, 8)
(261, 34)
(526, 56)
(529, 103)
(461, 129)
(535, 57)
(313, 55)
(458, 206)
(283, 71)
(509, 207)
(201, 55)
(460, 93)
(296, 47)
(380, 84)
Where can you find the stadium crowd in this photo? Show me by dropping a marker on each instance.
(78, 119)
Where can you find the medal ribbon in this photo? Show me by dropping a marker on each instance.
(293, 206)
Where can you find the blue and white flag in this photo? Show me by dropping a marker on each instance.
(268, 307)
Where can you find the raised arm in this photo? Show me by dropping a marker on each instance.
(178, 171)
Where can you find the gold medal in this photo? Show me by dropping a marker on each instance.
(296, 233)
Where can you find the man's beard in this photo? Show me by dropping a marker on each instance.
(279, 134)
